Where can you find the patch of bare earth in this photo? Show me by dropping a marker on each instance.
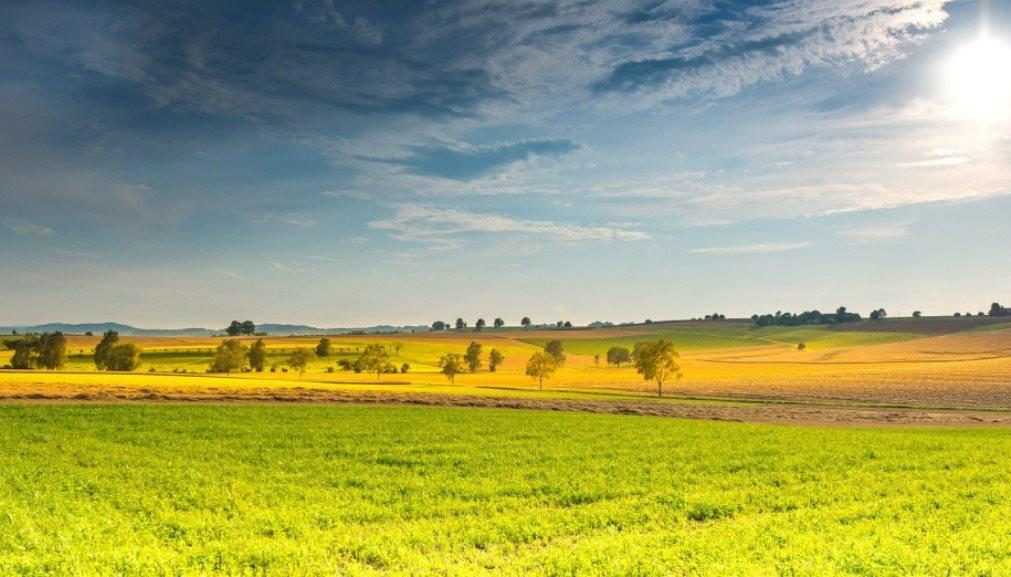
(757, 412)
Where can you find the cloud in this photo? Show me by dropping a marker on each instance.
(757, 248)
(875, 233)
(443, 227)
(467, 163)
(281, 267)
(781, 39)
(293, 219)
(348, 194)
(18, 226)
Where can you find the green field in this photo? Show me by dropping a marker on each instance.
(271, 490)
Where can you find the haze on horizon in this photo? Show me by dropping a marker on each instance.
(351, 164)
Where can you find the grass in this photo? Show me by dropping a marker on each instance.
(214, 490)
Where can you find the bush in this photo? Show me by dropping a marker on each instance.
(404, 368)
(329, 369)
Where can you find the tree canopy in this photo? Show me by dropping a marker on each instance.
(656, 361)
(541, 366)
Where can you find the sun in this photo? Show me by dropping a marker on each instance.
(979, 80)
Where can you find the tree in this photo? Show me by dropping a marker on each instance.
(52, 351)
(557, 352)
(499, 323)
(997, 310)
(460, 324)
(878, 314)
(917, 314)
(404, 368)
(451, 365)
(801, 346)
(473, 356)
(479, 325)
(541, 366)
(525, 323)
(568, 324)
(323, 348)
(229, 356)
(26, 352)
(375, 359)
(299, 360)
(656, 361)
(109, 340)
(438, 326)
(396, 347)
(495, 359)
(258, 356)
(234, 329)
(596, 359)
(248, 328)
(618, 355)
(124, 357)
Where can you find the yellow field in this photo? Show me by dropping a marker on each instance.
(958, 370)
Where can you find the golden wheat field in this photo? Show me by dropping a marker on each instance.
(895, 364)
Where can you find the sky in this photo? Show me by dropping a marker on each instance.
(183, 163)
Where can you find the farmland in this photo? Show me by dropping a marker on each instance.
(925, 364)
(308, 490)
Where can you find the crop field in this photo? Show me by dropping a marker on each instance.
(948, 364)
(136, 490)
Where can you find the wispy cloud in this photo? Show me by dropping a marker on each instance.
(293, 219)
(425, 224)
(282, 267)
(874, 233)
(756, 248)
(467, 163)
(18, 226)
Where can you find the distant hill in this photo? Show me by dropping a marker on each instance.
(269, 328)
(99, 328)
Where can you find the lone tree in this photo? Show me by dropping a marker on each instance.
(258, 356)
(375, 359)
(479, 325)
(557, 352)
(299, 360)
(541, 366)
(917, 314)
(495, 359)
(52, 351)
(473, 356)
(230, 356)
(499, 323)
(460, 324)
(618, 355)
(596, 359)
(451, 365)
(656, 361)
(525, 323)
(438, 326)
(323, 348)
(125, 357)
(801, 346)
(109, 340)
(878, 314)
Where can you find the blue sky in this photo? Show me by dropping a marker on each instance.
(340, 164)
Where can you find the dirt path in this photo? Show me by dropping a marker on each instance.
(758, 412)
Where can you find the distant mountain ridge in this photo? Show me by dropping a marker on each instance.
(269, 328)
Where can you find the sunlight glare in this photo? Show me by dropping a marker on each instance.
(979, 80)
